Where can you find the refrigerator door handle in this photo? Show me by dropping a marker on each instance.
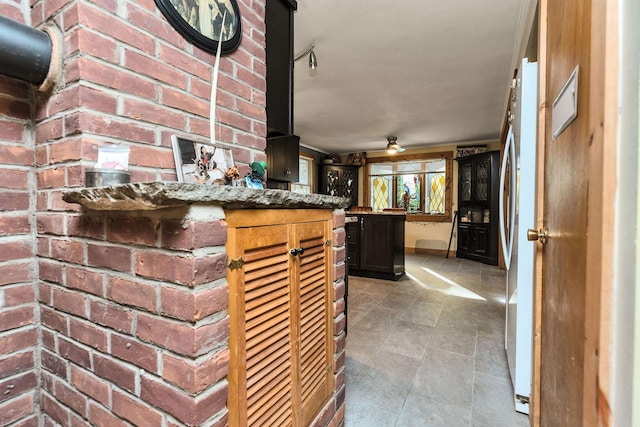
(509, 155)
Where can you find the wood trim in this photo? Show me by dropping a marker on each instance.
(257, 217)
(416, 156)
(543, 105)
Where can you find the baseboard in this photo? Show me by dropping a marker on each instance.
(427, 251)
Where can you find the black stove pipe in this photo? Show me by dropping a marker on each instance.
(25, 53)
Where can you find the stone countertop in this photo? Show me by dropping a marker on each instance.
(160, 195)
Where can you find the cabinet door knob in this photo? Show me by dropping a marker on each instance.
(296, 251)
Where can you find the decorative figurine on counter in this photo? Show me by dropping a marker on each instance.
(257, 176)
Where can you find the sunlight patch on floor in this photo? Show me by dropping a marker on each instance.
(453, 288)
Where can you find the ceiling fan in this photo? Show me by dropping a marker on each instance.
(392, 146)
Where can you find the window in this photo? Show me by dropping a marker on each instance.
(305, 183)
(419, 183)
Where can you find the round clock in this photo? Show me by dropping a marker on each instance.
(200, 22)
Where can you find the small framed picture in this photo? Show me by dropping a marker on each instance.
(200, 163)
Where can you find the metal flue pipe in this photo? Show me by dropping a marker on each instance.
(25, 52)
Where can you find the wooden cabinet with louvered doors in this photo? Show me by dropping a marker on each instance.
(281, 310)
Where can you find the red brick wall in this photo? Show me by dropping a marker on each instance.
(18, 302)
(134, 320)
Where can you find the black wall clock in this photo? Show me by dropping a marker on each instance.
(199, 21)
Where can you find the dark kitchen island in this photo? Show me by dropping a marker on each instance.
(375, 244)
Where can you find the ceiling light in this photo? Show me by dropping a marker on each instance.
(313, 60)
(392, 146)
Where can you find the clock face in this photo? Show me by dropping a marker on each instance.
(205, 23)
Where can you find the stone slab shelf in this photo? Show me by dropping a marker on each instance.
(161, 195)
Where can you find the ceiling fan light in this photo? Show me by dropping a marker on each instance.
(392, 148)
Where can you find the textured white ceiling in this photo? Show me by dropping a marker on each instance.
(427, 71)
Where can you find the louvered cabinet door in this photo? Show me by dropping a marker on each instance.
(281, 310)
(261, 371)
(314, 329)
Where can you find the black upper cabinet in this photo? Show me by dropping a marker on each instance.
(478, 177)
(283, 158)
(279, 47)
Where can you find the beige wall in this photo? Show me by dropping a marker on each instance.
(428, 235)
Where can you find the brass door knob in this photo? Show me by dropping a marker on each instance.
(541, 235)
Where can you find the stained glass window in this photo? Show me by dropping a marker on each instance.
(417, 186)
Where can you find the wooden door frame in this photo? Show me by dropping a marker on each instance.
(601, 217)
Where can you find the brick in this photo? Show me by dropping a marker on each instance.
(14, 201)
(339, 237)
(113, 257)
(339, 289)
(117, 372)
(102, 417)
(51, 177)
(88, 333)
(188, 235)
(185, 101)
(134, 411)
(112, 316)
(338, 343)
(20, 294)
(86, 226)
(186, 271)
(12, 131)
(234, 119)
(339, 254)
(188, 410)
(53, 409)
(131, 230)
(114, 78)
(151, 156)
(53, 320)
(192, 306)
(194, 376)
(17, 363)
(45, 293)
(155, 68)
(133, 293)
(339, 271)
(70, 302)
(49, 271)
(17, 317)
(67, 250)
(134, 352)
(48, 339)
(49, 130)
(50, 223)
(53, 363)
(14, 179)
(18, 341)
(14, 225)
(67, 150)
(75, 353)
(85, 280)
(15, 250)
(88, 42)
(152, 113)
(16, 409)
(71, 398)
(181, 60)
(90, 385)
(182, 338)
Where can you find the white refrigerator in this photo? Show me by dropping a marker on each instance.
(517, 211)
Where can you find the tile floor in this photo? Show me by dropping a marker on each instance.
(428, 350)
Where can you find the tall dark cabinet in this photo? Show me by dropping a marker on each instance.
(339, 180)
(478, 182)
